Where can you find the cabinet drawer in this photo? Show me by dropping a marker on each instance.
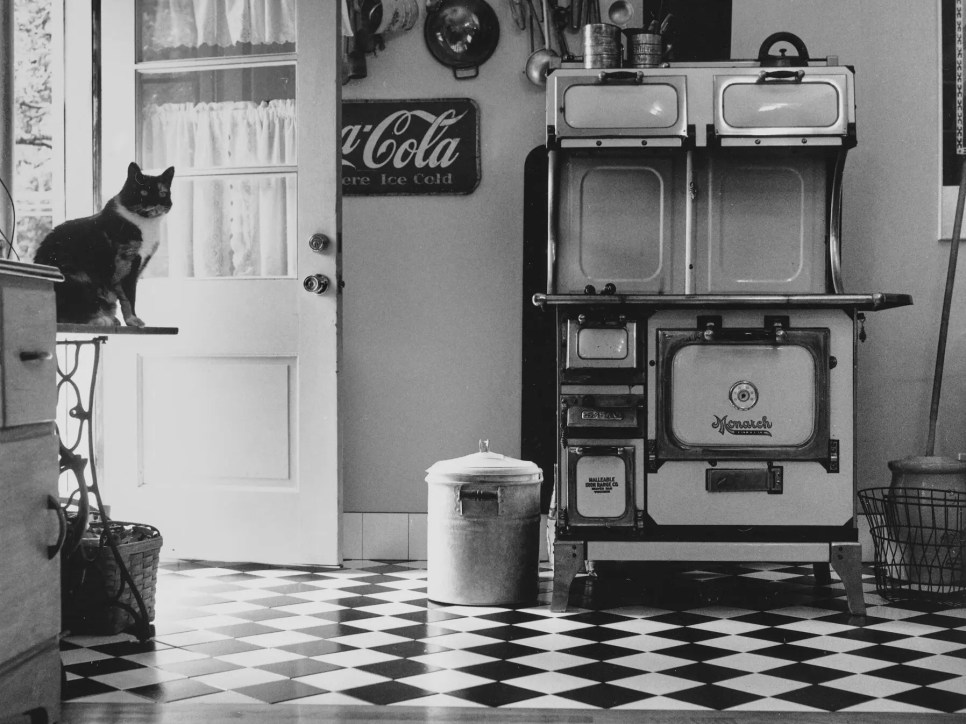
(31, 683)
(30, 593)
(28, 325)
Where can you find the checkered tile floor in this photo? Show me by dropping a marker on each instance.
(750, 637)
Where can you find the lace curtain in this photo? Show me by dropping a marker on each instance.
(224, 226)
(222, 23)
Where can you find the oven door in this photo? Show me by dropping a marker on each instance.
(743, 393)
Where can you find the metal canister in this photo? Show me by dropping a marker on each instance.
(644, 50)
(601, 45)
(483, 530)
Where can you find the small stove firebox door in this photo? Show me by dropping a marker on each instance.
(601, 481)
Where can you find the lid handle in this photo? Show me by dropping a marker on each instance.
(484, 446)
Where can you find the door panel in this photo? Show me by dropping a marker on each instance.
(226, 435)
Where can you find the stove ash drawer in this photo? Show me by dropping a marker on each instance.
(604, 479)
(603, 412)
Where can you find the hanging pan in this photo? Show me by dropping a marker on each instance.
(461, 34)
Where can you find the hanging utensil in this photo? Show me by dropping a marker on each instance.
(462, 35)
(516, 11)
(543, 60)
(560, 24)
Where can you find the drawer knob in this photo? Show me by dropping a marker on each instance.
(54, 504)
(36, 356)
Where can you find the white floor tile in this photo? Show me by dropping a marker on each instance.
(238, 678)
(342, 679)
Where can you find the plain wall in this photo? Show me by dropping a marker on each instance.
(431, 340)
(432, 300)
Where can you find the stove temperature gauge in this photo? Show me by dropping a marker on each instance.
(743, 395)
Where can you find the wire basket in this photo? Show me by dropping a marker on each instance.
(96, 598)
(920, 543)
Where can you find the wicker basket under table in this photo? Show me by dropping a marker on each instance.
(96, 598)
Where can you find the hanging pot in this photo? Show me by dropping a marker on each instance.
(462, 35)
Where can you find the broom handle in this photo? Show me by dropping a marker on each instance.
(937, 380)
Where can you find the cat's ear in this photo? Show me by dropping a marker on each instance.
(133, 171)
(167, 175)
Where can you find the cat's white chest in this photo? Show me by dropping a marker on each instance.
(150, 230)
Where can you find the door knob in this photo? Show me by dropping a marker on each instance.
(319, 242)
(316, 283)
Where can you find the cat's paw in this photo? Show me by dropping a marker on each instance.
(133, 321)
(104, 320)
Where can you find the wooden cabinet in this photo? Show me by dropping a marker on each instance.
(30, 525)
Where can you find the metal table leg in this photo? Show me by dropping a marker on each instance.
(77, 367)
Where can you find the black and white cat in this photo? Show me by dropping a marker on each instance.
(102, 256)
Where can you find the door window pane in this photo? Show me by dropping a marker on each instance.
(171, 29)
(228, 226)
(218, 118)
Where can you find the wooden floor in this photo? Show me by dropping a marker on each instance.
(80, 713)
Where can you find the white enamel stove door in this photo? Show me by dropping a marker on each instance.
(676, 492)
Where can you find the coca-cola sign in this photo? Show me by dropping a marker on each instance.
(410, 147)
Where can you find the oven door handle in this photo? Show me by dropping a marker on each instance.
(781, 76)
(713, 335)
(621, 76)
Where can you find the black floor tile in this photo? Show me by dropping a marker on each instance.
(387, 692)
(712, 696)
(601, 671)
(500, 670)
(505, 650)
(808, 673)
(398, 668)
(605, 696)
(705, 673)
(78, 688)
(937, 699)
(273, 692)
(241, 630)
(177, 690)
(410, 649)
(103, 666)
(918, 675)
(494, 694)
(791, 652)
(298, 667)
(314, 648)
(199, 667)
(824, 697)
(696, 652)
(600, 652)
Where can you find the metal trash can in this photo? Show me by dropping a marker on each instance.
(483, 529)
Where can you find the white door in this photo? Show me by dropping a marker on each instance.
(225, 436)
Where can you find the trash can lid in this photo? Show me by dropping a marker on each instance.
(486, 464)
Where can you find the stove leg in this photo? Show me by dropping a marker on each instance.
(823, 576)
(567, 558)
(846, 560)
